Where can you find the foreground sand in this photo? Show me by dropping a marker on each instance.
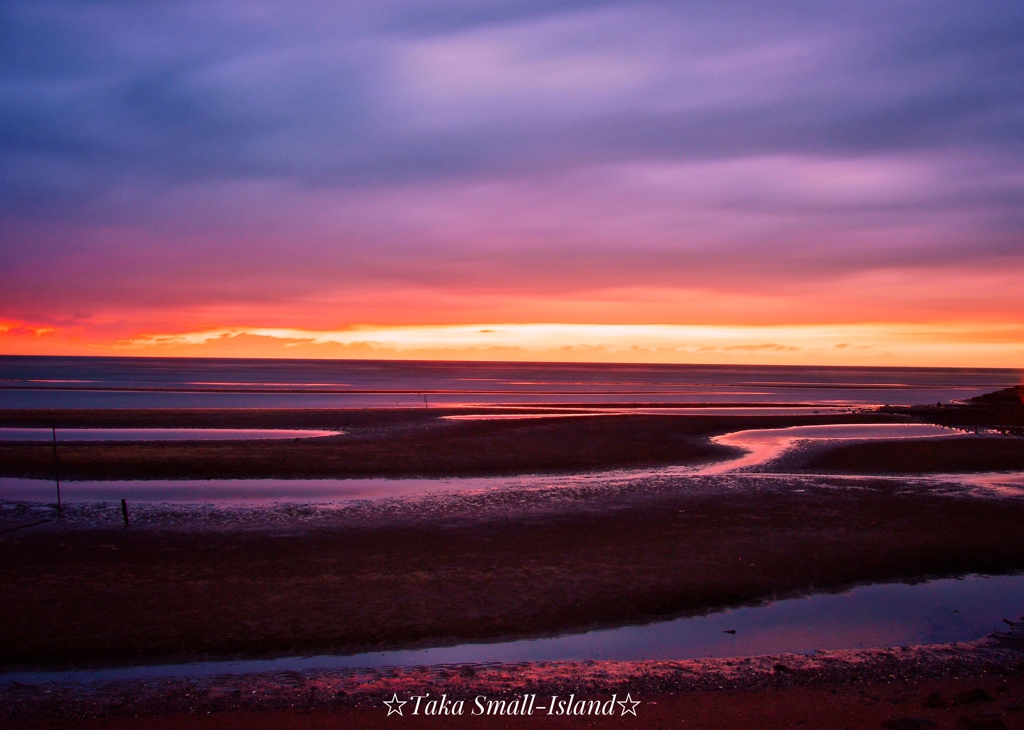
(874, 706)
(293, 579)
(977, 685)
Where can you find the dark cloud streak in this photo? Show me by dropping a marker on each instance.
(219, 105)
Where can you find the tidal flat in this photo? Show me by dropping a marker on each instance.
(272, 578)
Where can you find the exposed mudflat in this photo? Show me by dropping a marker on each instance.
(388, 443)
(218, 580)
(966, 685)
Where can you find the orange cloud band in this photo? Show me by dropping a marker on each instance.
(941, 344)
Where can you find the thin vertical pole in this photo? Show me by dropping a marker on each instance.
(124, 511)
(56, 465)
(425, 401)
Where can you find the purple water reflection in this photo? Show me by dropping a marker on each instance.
(656, 411)
(896, 614)
(764, 444)
(159, 434)
(69, 382)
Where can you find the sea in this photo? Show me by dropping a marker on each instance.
(151, 382)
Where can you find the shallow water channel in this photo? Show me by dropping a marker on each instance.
(891, 614)
(765, 444)
(760, 446)
(157, 434)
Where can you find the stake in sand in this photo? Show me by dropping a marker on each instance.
(56, 466)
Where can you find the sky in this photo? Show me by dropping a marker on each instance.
(736, 182)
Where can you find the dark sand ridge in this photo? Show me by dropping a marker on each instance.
(951, 455)
(421, 443)
(1002, 411)
(460, 567)
(319, 417)
(388, 443)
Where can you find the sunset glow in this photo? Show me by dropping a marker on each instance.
(848, 344)
(606, 181)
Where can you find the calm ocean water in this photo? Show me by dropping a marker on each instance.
(100, 382)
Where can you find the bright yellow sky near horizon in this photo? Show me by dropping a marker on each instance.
(872, 344)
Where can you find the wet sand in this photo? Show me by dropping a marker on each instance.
(1003, 410)
(951, 455)
(999, 412)
(291, 579)
(967, 686)
(457, 567)
(388, 443)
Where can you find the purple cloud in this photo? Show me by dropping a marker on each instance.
(225, 152)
